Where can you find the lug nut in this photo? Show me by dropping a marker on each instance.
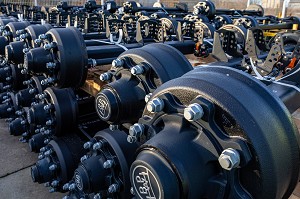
(18, 32)
(53, 167)
(97, 145)
(113, 127)
(229, 159)
(24, 71)
(47, 132)
(41, 157)
(47, 184)
(47, 46)
(117, 63)
(131, 139)
(8, 78)
(55, 183)
(42, 36)
(108, 164)
(136, 130)
(66, 187)
(53, 45)
(52, 190)
(38, 41)
(137, 70)
(113, 188)
(51, 65)
(25, 50)
(43, 149)
(193, 112)
(97, 196)
(87, 145)
(6, 87)
(24, 134)
(6, 33)
(83, 158)
(46, 141)
(50, 80)
(27, 82)
(32, 91)
(105, 77)
(155, 105)
(72, 187)
(42, 96)
(18, 113)
(48, 153)
(49, 123)
(24, 36)
(147, 97)
(44, 82)
(48, 107)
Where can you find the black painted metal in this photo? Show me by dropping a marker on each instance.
(122, 100)
(92, 178)
(76, 55)
(230, 120)
(66, 151)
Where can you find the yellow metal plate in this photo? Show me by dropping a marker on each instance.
(269, 34)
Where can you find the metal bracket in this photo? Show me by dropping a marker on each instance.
(218, 51)
(147, 29)
(267, 66)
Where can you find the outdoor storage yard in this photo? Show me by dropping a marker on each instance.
(149, 99)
